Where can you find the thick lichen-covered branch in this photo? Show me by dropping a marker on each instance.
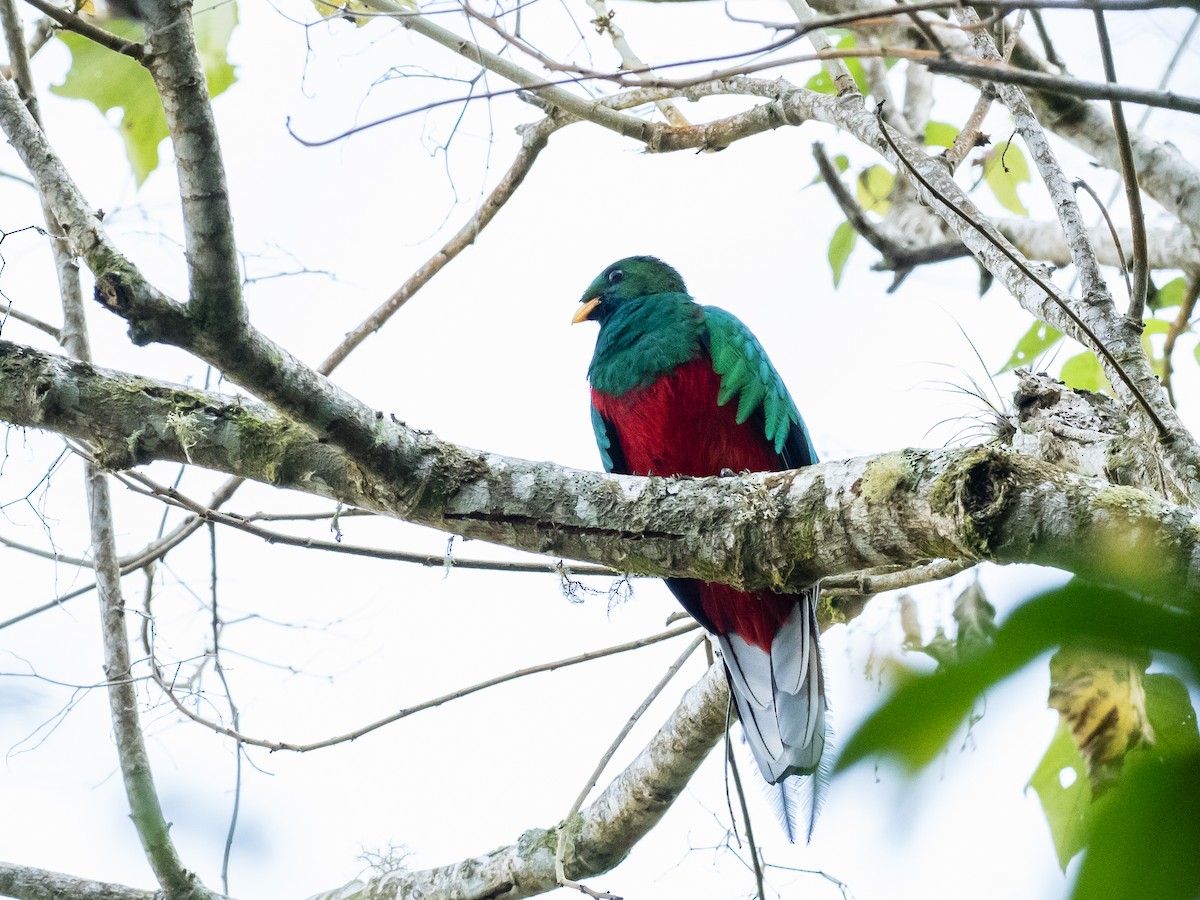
(33, 883)
(783, 530)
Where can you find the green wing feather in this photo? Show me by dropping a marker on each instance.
(747, 374)
(603, 441)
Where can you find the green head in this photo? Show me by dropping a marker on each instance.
(627, 279)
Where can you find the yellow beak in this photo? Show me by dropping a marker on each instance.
(584, 311)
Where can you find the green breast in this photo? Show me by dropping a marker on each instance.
(644, 338)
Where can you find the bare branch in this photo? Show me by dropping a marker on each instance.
(145, 809)
(564, 831)
(84, 28)
(33, 321)
(206, 514)
(533, 140)
(1133, 193)
(214, 282)
(295, 747)
(607, 828)
(842, 79)
(31, 883)
(629, 59)
(878, 582)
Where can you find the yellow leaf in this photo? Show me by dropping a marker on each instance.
(1101, 698)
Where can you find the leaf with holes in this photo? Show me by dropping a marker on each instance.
(1037, 340)
(1061, 783)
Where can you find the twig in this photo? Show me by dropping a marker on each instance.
(148, 555)
(985, 232)
(1133, 193)
(11, 312)
(924, 27)
(294, 747)
(629, 59)
(234, 713)
(1178, 327)
(843, 81)
(1052, 56)
(741, 795)
(897, 258)
(872, 582)
(561, 849)
(86, 29)
(203, 513)
(1060, 84)
(533, 140)
(970, 137)
(1112, 230)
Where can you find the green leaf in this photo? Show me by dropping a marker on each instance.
(112, 81)
(940, 134)
(1069, 809)
(214, 21)
(1004, 168)
(1171, 714)
(1083, 372)
(1144, 835)
(874, 186)
(1152, 327)
(1066, 807)
(823, 84)
(1169, 295)
(840, 245)
(1037, 340)
(918, 720)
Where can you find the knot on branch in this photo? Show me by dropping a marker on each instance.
(114, 294)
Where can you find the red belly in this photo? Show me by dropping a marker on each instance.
(675, 427)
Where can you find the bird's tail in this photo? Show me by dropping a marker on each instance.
(781, 701)
(797, 799)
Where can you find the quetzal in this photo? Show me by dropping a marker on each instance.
(683, 389)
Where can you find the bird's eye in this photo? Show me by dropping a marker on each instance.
(616, 276)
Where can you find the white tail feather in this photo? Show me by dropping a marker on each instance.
(780, 698)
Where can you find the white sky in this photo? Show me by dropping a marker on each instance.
(484, 356)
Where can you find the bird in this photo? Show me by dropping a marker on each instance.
(678, 388)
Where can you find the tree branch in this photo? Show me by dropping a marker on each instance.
(214, 282)
(781, 530)
(30, 883)
(605, 831)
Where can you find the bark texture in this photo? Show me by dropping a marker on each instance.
(779, 530)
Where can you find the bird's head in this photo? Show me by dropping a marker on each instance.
(626, 279)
